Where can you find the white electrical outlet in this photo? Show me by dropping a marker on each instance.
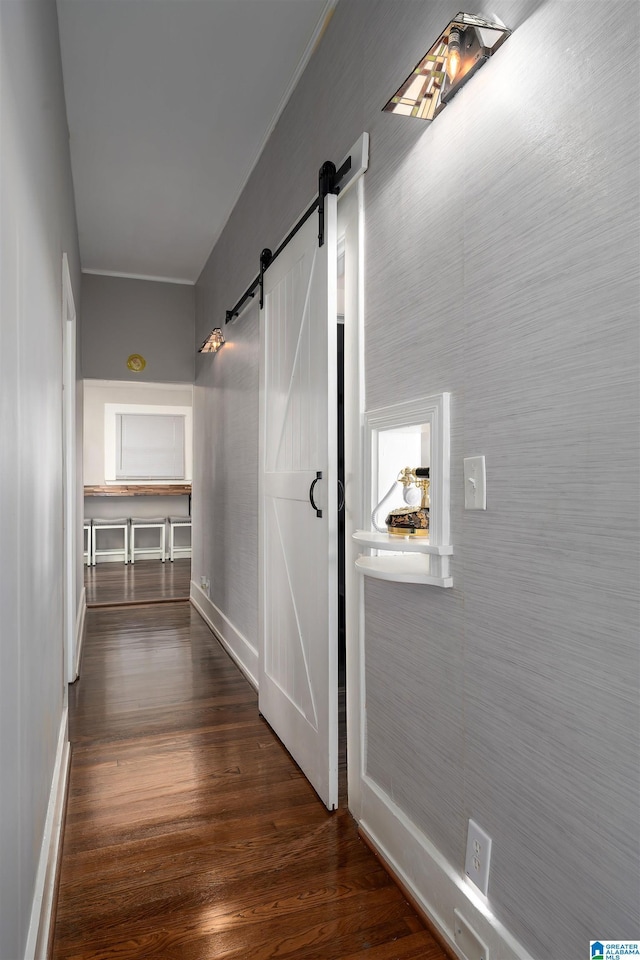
(467, 939)
(478, 857)
(205, 585)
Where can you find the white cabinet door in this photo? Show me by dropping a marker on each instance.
(298, 683)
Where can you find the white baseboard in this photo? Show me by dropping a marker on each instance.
(45, 885)
(436, 887)
(237, 646)
(80, 625)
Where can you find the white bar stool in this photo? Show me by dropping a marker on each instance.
(148, 523)
(88, 542)
(119, 523)
(175, 522)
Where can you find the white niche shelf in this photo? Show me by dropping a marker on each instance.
(413, 560)
(384, 541)
(414, 433)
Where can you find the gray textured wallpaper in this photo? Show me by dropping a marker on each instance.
(225, 482)
(502, 256)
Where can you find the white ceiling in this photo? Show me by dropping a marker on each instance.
(169, 104)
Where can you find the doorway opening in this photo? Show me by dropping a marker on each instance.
(138, 456)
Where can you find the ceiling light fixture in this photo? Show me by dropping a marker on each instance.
(213, 342)
(463, 46)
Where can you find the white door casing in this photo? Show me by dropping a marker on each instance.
(298, 683)
(69, 458)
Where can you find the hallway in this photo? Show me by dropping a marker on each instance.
(147, 581)
(189, 831)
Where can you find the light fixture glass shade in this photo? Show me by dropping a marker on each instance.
(213, 342)
(463, 46)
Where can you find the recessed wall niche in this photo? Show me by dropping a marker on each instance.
(407, 532)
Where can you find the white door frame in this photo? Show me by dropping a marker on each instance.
(69, 471)
(351, 227)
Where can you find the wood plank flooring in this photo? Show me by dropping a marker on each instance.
(190, 833)
(145, 581)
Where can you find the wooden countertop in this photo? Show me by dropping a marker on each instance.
(139, 490)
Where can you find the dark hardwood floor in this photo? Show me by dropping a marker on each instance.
(190, 833)
(145, 581)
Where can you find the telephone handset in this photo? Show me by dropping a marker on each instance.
(409, 521)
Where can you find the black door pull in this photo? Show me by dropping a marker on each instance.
(311, 489)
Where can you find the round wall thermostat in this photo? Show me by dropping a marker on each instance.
(136, 362)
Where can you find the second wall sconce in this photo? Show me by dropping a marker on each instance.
(213, 342)
(463, 46)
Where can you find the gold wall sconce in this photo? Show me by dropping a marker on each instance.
(463, 46)
(213, 342)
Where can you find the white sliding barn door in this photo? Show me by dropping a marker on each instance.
(298, 682)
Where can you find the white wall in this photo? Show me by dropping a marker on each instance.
(37, 224)
(501, 256)
(99, 392)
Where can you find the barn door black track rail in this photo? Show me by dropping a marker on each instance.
(329, 180)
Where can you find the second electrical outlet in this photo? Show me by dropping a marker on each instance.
(478, 858)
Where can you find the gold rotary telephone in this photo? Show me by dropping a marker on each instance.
(411, 521)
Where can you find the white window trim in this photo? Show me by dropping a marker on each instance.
(110, 434)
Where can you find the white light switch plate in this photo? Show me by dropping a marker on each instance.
(475, 483)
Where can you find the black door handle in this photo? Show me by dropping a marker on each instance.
(340, 495)
(311, 489)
